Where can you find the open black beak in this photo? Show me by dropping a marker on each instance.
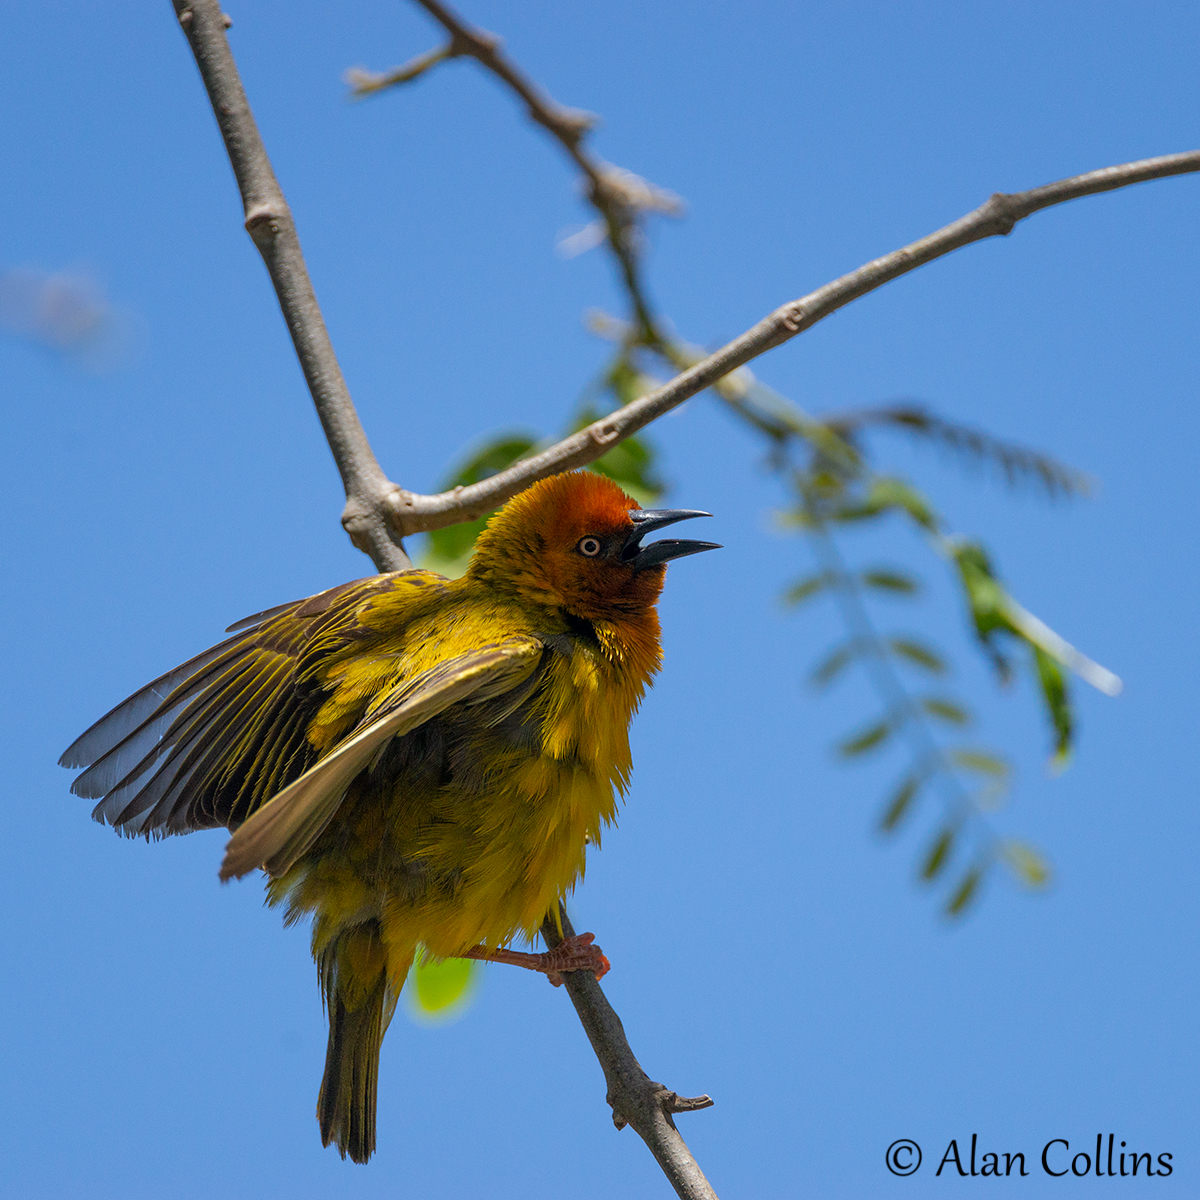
(646, 520)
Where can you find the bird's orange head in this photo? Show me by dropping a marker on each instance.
(573, 542)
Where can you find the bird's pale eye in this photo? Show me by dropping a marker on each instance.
(589, 546)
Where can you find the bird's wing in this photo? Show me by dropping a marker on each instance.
(288, 825)
(209, 742)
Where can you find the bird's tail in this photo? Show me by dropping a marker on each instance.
(359, 1002)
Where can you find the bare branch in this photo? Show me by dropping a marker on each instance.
(635, 1098)
(618, 195)
(269, 223)
(996, 218)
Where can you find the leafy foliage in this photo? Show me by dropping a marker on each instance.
(900, 803)
(890, 580)
(824, 466)
(1018, 464)
(631, 463)
(992, 613)
(834, 487)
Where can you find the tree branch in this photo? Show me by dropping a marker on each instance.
(378, 513)
(269, 223)
(412, 513)
(635, 1098)
(618, 196)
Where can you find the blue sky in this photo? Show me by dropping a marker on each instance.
(163, 1034)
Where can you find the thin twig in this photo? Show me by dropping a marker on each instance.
(413, 513)
(618, 196)
(635, 1098)
(269, 223)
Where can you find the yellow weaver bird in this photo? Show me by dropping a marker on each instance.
(412, 760)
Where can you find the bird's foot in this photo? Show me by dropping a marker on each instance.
(576, 953)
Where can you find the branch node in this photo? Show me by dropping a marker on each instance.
(261, 214)
(1003, 211)
(227, 20)
(573, 123)
(675, 1103)
(397, 506)
(355, 516)
(185, 18)
(655, 1095)
(603, 433)
(474, 43)
(794, 316)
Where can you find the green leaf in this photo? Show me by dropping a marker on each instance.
(964, 894)
(630, 463)
(1053, 683)
(439, 988)
(1027, 864)
(982, 763)
(834, 663)
(867, 739)
(447, 550)
(807, 588)
(985, 601)
(901, 802)
(994, 611)
(886, 492)
(918, 654)
(893, 581)
(938, 854)
(945, 710)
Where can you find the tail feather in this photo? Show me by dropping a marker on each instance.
(360, 1003)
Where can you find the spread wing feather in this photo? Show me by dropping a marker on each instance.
(288, 825)
(135, 714)
(209, 742)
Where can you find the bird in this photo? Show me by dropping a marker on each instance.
(418, 764)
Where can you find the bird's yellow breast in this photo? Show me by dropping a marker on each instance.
(472, 832)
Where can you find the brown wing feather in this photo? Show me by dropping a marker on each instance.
(211, 741)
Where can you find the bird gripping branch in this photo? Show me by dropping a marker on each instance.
(414, 761)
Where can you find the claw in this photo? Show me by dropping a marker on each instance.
(576, 953)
